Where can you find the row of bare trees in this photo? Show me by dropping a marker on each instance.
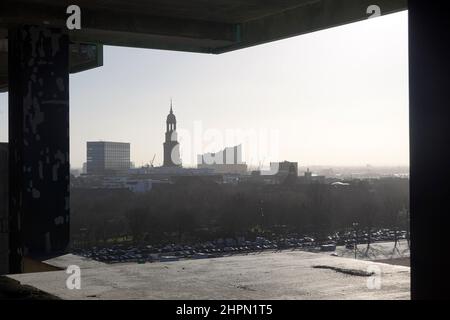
(201, 210)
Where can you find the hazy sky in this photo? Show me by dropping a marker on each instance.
(334, 97)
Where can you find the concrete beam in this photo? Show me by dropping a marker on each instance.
(85, 56)
(121, 28)
(215, 27)
(312, 16)
(82, 57)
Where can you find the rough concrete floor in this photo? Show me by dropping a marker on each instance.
(281, 275)
(11, 289)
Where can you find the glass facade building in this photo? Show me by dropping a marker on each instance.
(107, 157)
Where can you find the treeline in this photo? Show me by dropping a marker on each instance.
(198, 210)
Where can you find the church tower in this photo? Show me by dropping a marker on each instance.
(171, 145)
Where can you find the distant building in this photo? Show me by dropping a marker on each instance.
(134, 185)
(227, 161)
(170, 171)
(285, 172)
(191, 180)
(171, 145)
(308, 174)
(309, 177)
(236, 169)
(4, 240)
(284, 168)
(139, 186)
(107, 157)
(231, 155)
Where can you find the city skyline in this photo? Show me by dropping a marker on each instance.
(315, 100)
(171, 134)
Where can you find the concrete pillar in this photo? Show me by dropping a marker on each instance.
(429, 36)
(38, 142)
(4, 234)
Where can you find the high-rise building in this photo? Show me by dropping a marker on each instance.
(105, 157)
(4, 239)
(171, 145)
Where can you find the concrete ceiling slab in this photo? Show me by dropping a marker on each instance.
(208, 26)
(204, 26)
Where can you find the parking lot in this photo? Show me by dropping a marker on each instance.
(125, 253)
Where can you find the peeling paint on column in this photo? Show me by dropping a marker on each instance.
(59, 220)
(36, 194)
(39, 137)
(60, 84)
(41, 170)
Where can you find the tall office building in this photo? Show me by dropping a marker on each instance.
(105, 157)
(171, 145)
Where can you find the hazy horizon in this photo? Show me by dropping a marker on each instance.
(337, 97)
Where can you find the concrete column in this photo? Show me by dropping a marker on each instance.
(38, 142)
(4, 234)
(429, 36)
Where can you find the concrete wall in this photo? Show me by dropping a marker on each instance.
(3, 208)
